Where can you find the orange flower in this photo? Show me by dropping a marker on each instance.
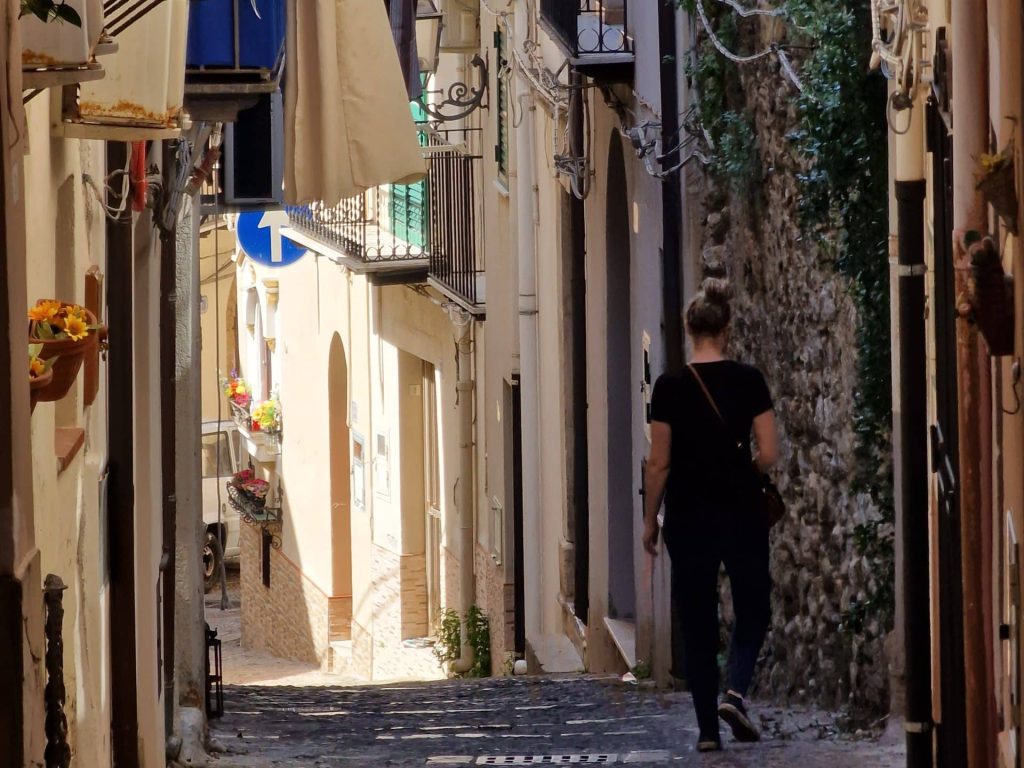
(44, 311)
(76, 328)
(36, 367)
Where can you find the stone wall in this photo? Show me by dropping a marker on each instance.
(496, 599)
(287, 619)
(795, 319)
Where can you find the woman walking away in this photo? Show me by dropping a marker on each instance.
(702, 465)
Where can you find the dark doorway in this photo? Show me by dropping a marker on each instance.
(618, 333)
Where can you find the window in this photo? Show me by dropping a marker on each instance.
(501, 93)
(407, 203)
(216, 455)
(358, 478)
(268, 539)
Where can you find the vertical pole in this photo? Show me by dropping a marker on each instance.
(970, 139)
(121, 486)
(168, 257)
(910, 439)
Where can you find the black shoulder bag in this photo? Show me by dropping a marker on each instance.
(774, 506)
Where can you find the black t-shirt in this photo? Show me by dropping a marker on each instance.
(708, 473)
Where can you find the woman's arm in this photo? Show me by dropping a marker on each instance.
(767, 440)
(655, 477)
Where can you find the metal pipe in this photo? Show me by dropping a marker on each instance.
(168, 414)
(529, 358)
(465, 387)
(121, 502)
(970, 139)
(910, 439)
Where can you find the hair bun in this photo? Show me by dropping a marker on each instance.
(716, 289)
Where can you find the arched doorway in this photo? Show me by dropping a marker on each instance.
(621, 492)
(340, 605)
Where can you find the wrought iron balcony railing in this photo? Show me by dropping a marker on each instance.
(456, 260)
(378, 227)
(590, 29)
(430, 228)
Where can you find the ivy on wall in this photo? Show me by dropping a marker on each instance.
(839, 140)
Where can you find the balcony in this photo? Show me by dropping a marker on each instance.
(594, 33)
(381, 233)
(456, 255)
(426, 232)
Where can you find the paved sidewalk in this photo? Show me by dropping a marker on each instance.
(581, 720)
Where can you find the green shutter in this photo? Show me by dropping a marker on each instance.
(409, 201)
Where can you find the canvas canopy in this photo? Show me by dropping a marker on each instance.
(348, 126)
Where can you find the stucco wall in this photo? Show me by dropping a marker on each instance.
(65, 236)
(66, 226)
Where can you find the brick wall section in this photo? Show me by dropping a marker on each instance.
(288, 619)
(414, 596)
(399, 604)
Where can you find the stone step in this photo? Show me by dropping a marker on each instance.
(552, 654)
(624, 636)
(339, 657)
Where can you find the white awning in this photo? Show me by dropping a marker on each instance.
(348, 126)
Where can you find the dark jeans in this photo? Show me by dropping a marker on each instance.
(742, 545)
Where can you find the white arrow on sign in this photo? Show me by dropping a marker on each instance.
(274, 220)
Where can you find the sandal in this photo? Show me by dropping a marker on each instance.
(709, 745)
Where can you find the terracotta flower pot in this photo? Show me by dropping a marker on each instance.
(38, 383)
(70, 355)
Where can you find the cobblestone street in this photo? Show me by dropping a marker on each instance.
(513, 721)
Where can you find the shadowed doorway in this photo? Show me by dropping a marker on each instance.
(340, 604)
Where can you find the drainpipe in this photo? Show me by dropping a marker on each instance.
(124, 706)
(168, 259)
(464, 387)
(910, 405)
(671, 201)
(970, 139)
(526, 246)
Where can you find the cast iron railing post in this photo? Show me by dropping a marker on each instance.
(57, 753)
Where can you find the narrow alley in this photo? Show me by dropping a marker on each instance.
(513, 721)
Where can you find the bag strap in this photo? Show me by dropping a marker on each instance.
(707, 394)
(711, 402)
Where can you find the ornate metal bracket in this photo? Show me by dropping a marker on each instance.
(266, 517)
(460, 96)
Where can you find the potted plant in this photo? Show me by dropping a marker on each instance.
(248, 493)
(54, 33)
(66, 334)
(40, 373)
(991, 292)
(997, 183)
(239, 395)
(266, 418)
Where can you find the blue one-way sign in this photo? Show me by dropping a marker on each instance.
(259, 234)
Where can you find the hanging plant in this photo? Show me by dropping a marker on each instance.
(65, 333)
(997, 182)
(40, 373)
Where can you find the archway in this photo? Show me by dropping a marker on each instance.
(621, 493)
(340, 605)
